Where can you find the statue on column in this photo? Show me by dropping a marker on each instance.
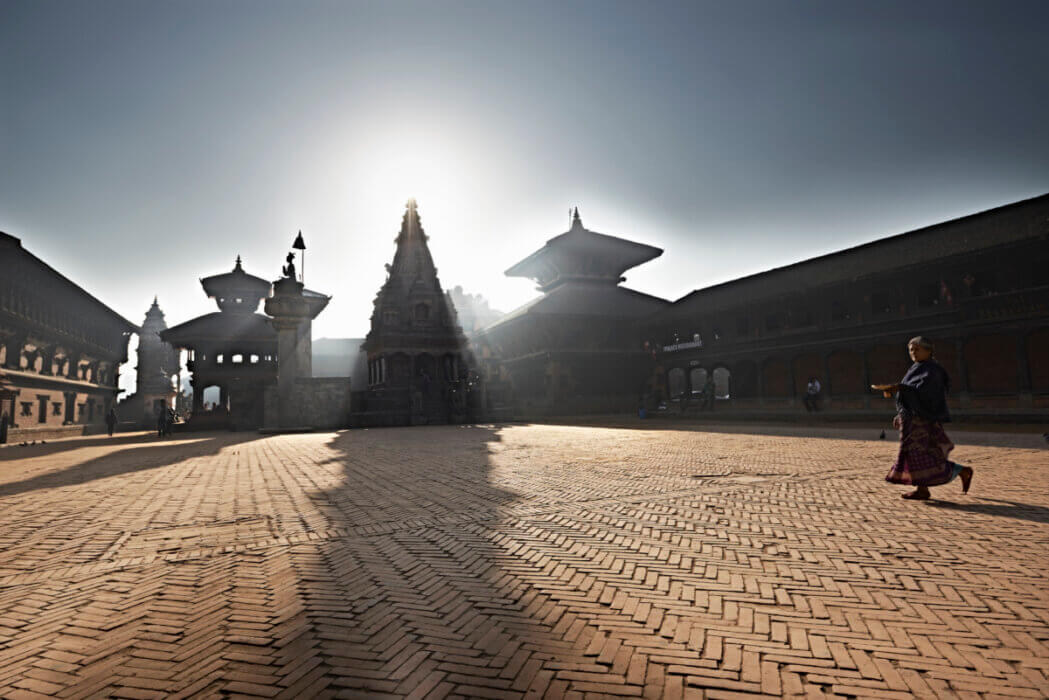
(289, 269)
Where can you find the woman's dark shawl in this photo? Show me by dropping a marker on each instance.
(923, 392)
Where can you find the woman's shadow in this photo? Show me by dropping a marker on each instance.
(1000, 508)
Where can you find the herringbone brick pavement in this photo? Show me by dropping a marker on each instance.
(520, 561)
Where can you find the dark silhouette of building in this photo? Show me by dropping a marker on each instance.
(234, 349)
(60, 350)
(575, 349)
(157, 374)
(978, 286)
(416, 351)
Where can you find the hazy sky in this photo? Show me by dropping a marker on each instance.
(145, 144)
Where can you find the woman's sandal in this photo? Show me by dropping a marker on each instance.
(966, 475)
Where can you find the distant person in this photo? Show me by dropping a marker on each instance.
(921, 411)
(707, 396)
(812, 395)
(3, 428)
(111, 421)
(162, 422)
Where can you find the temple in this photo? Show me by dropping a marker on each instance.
(574, 349)
(60, 350)
(418, 366)
(234, 349)
(157, 376)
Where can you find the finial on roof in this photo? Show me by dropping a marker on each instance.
(155, 300)
(575, 218)
(237, 266)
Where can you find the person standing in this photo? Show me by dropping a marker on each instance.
(111, 420)
(3, 427)
(708, 393)
(812, 395)
(921, 411)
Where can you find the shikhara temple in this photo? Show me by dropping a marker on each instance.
(978, 286)
(417, 356)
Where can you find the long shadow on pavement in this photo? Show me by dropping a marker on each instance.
(1000, 508)
(143, 452)
(420, 598)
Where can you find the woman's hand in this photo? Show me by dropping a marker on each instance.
(897, 422)
(887, 390)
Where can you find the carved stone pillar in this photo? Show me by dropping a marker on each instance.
(73, 371)
(47, 352)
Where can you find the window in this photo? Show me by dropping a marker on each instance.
(27, 408)
(254, 359)
(218, 359)
(237, 359)
(56, 409)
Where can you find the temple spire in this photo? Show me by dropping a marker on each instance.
(576, 221)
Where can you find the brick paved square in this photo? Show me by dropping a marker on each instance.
(520, 561)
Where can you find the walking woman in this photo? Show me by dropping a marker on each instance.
(921, 411)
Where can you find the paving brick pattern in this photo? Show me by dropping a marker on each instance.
(520, 561)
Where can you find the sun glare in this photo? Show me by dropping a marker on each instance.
(392, 167)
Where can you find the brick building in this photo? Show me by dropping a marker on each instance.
(60, 350)
(977, 285)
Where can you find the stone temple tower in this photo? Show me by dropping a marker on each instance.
(158, 364)
(417, 353)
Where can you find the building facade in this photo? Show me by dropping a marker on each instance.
(60, 350)
(978, 286)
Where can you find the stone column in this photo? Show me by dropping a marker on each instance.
(198, 397)
(288, 310)
(74, 365)
(865, 353)
(1023, 372)
(827, 398)
(47, 352)
(759, 383)
(962, 384)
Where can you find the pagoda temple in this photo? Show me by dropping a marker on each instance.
(575, 348)
(417, 358)
(234, 349)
